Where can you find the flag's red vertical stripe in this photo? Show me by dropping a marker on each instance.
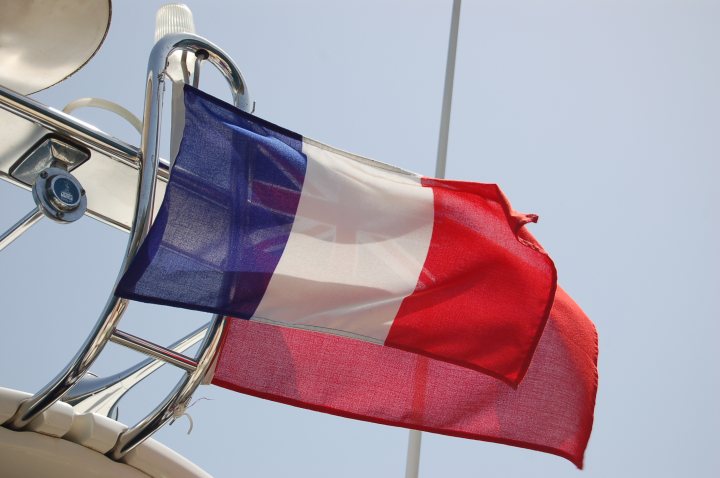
(484, 294)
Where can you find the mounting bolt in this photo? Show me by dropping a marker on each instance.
(202, 54)
(59, 195)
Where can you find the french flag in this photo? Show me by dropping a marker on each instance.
(263, 224)
(366, 291)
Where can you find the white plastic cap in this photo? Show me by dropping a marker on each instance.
(173, 18)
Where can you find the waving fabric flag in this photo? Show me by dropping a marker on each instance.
(262, 224)
(365, 291)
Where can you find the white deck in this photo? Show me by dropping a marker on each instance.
(65, 444)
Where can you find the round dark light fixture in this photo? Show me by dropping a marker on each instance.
(59, 195)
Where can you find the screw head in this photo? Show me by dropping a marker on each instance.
(44, 174)
(60, 214)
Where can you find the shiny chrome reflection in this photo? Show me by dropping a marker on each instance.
(106, 324)
(59, 195)
(153, 350)
(177, 399)
(20, 227)
(101, 394)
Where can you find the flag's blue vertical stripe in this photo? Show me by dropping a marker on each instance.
(226, 216)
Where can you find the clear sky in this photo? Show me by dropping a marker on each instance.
(602, 116)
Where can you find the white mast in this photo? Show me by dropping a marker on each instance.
(412, 467)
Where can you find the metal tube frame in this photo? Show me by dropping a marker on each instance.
(66, 125)
(153, 350)
(101, 394)
(106, 325)
(20, 227)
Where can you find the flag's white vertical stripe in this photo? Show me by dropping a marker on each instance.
(357, 247)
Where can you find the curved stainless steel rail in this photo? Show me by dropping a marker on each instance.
(101, 394)
(105, 328)
(66, 125)
(178, 397)
(25, 223)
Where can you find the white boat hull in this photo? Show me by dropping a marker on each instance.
(61, 443)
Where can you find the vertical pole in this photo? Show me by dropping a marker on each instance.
(447, 94)
(412, 466)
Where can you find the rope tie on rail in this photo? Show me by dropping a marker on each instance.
(181, 411)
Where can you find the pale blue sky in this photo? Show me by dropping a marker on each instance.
(601, 116)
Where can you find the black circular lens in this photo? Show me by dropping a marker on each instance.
(66, 191)
(59, 195)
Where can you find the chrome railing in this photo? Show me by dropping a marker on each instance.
(147, 160)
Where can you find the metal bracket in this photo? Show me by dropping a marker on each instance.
(49, 152)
